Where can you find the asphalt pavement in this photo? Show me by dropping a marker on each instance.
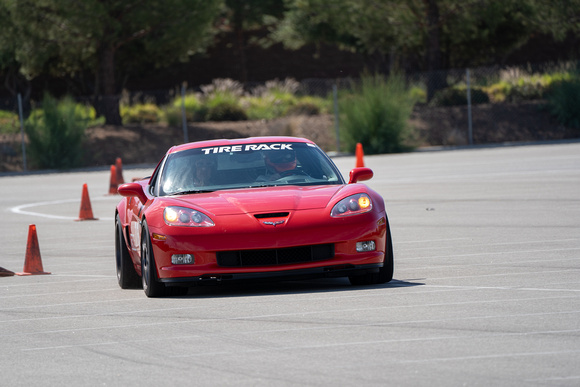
(486, 289)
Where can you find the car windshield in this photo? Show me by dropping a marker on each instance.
(246, 166)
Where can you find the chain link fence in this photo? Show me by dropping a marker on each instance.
(453, 107)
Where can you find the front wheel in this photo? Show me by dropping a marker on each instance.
(151, 286)
(126, 275)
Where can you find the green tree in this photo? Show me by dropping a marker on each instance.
(244, 15)
(556, 17)
(442, 33)
(65, 36)
(11, 77)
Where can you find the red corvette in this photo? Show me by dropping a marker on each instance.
(264, 207)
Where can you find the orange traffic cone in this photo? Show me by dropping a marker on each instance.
(86, 212)
(5, 272)
(32, 261)
(119, 166)
(359, 155)
(113, 184)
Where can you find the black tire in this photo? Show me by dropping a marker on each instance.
(385, 273)
(151, 286)
(126, 275)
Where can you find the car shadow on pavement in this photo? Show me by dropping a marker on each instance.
(252, 289)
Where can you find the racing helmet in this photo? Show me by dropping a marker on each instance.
(281, 160)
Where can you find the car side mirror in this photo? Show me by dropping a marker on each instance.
(360, 174)
(133, 189)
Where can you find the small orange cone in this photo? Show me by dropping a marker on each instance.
(113, 184)
(119, 166)
(86, 212)
(5, 272)
(32, 261)
(359, 155)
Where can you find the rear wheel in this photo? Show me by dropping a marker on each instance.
(385, 273)
(126, 275)
(151, 286)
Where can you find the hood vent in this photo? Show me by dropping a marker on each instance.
(272, 215)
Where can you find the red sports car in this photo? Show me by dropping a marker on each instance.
(262, 207)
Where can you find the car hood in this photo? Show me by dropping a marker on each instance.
(262, 200)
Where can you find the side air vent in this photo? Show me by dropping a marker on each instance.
(272, 215)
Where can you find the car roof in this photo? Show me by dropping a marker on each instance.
(226, 142)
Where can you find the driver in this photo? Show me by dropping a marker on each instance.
(280, 163)
(204, 172)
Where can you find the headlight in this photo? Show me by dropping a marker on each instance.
(181, 216)
(352, 205)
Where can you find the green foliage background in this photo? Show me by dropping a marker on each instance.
(564, 101)
(56, 132)
(376, 115)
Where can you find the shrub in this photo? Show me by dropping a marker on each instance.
(172, 115)
(376, 115)
(303, 108)
(223, 86)
(457, 95)
(288, 86)
(272, 100)
(524, 87)
(564, 100)
(268, 105)
(498, 92)
(226, 111)
(194, 110)
(418, 94)
(55, 134)
(8, 122)
(221, 101)
(260, 108)
(141, 113)
(309, 106)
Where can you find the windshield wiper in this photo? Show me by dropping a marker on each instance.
(192, 191)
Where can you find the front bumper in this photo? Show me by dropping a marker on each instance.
(301, 229)
(283, 275)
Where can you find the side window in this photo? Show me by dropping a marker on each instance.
(154, 179)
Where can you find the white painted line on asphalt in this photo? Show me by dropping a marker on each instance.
(503, 288)
(36, 295)
(433, 240)
(492, 356)
(492, 253)
(67, 304)
(555, 379)
(50, 282)
(506, 274)
(493, 264)
(21, 209)
(543, 242)
(83, 275)
(299, 347)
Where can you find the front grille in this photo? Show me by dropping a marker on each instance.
(272, 257)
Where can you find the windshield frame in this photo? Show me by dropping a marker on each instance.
(243, 162)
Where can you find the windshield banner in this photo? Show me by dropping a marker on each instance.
(246, 148)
